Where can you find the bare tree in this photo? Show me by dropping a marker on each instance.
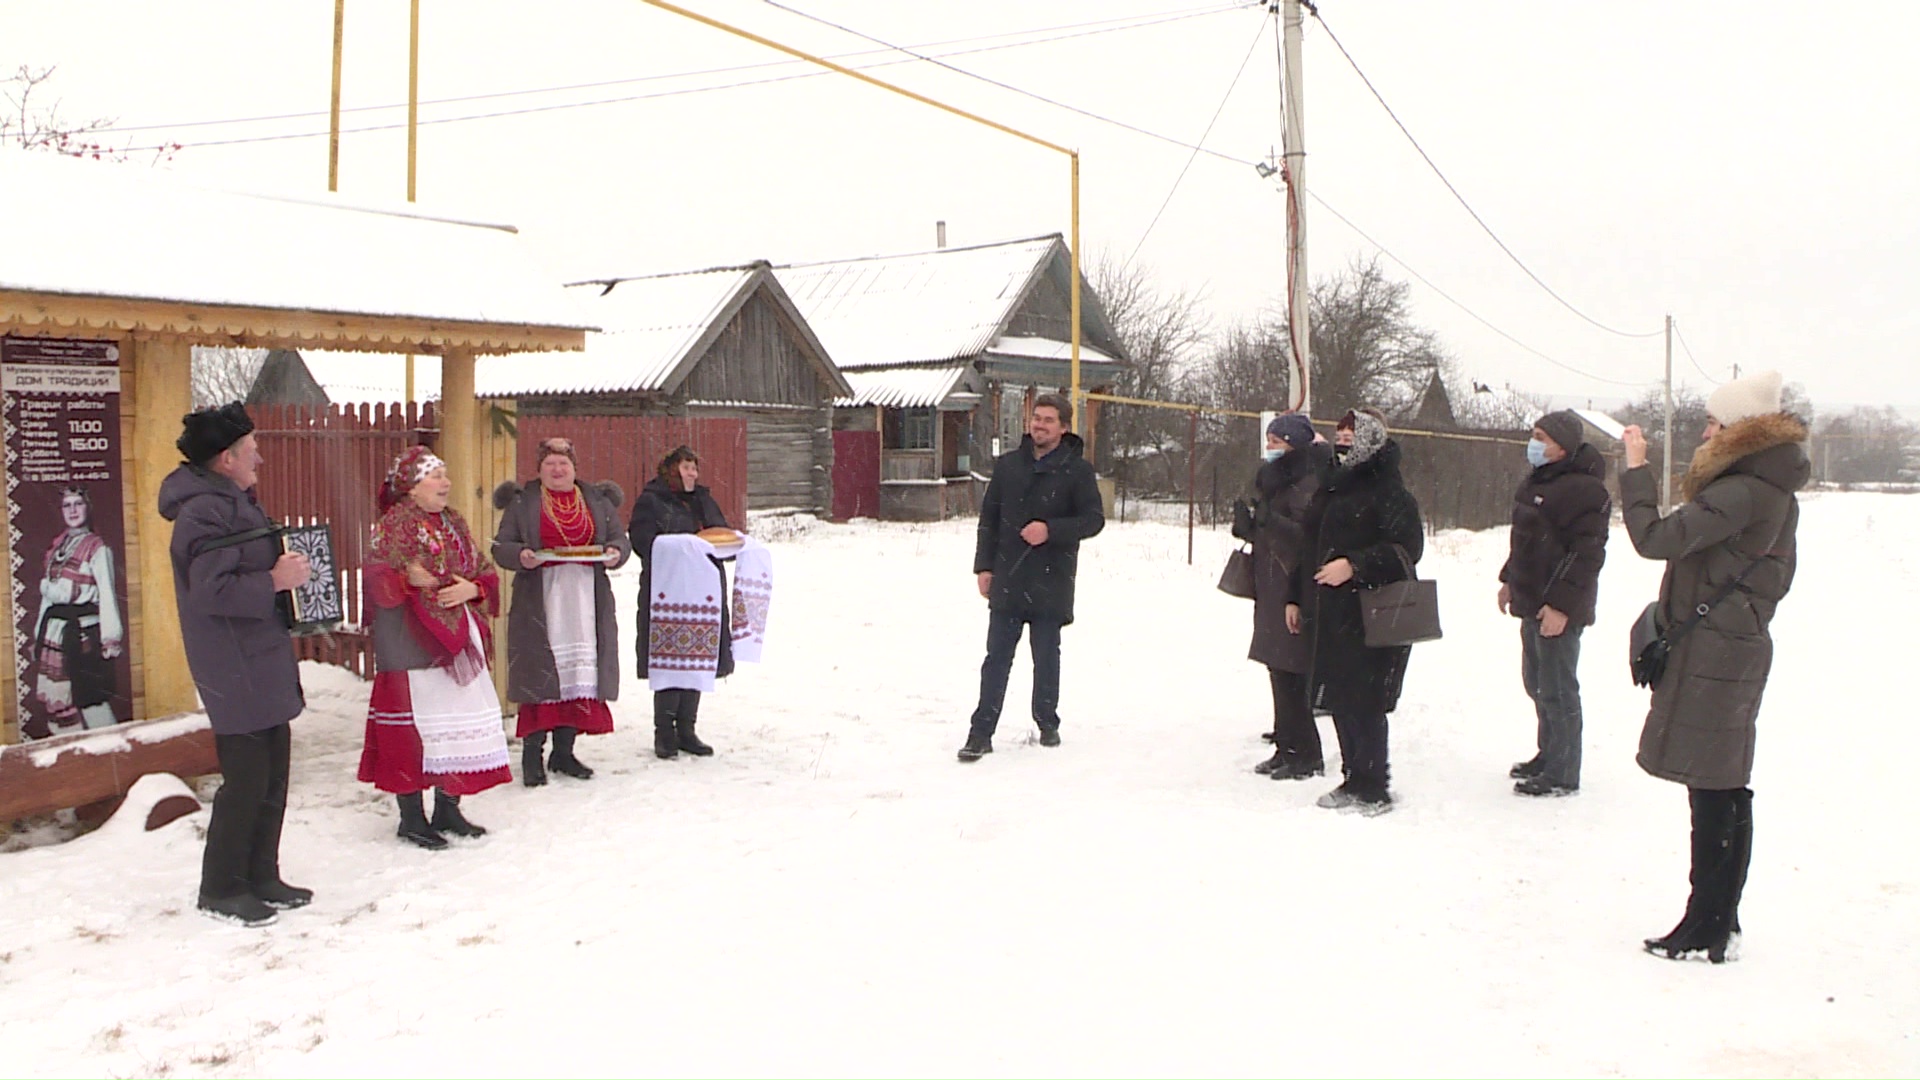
(1367, 350)
(224, 374)
(1160, 331)
(31, 125)
(1867, 445)
(1689, 423)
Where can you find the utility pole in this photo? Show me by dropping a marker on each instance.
(1293, 141)
(1666, 475)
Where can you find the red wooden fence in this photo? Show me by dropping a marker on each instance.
(325, 464)
(628, 449)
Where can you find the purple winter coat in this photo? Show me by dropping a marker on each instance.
(239, 651)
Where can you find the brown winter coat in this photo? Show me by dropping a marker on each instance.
(531, 674)
(1739, 507)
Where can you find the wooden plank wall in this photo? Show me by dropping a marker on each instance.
(326, 464)
(758, 359)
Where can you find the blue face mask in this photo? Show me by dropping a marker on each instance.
(1536, 452)
(1273, 455)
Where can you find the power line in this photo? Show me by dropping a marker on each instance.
(1688, 349)
(1231, 87)
(1324, 205)
(1462, 199)
(239, 140)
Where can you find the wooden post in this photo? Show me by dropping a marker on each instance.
(163, 393)
(459, 441)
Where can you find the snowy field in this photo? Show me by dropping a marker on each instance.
(834, 894)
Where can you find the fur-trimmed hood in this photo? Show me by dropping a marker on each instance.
(1770, 448)
(510, 490)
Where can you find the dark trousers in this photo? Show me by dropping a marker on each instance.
(1550, 669)
(1295, 736)
(243, 832)
(1003, 637)
(1363, 750)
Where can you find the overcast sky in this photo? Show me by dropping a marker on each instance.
(1747, 167)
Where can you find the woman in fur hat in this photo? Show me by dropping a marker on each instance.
(1730, 549)
(676, 502)
(563, 659)
(1365, 531)
(433, 720)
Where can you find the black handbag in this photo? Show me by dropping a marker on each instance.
(1648, 648)
(1237, 578)
(1401, 612)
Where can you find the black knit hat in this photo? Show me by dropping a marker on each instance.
(1564, 428)
(206, 432)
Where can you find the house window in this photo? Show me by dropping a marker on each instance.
(916, 428)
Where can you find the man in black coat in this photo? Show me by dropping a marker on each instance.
(1552, 575)
(1041, 502)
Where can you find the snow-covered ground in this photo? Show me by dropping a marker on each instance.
(834, 894)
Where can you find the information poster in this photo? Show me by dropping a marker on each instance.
(66, 535)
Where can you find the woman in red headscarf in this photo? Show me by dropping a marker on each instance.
(434, 719)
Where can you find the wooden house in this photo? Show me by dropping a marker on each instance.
(720, 359)
(108, 279)
(945, 351)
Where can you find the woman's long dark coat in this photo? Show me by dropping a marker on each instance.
(661, 509)
(1282, 512)
(1364, 514)
(531, 672)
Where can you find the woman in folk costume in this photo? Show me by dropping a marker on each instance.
(434, 720)
(563, 659)
(79, 631)
(1731, 554)
(675, 502)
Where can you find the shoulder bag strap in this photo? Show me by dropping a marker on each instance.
(232, 539)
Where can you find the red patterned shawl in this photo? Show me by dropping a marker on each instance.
(443, 545)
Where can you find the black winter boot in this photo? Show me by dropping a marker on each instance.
(533, 772)
(684, 719)
(244, 909)
(448, 819)
(1742, 858)
(1294, 769)
(1524, 769)
(413, 823)
(979, 745)
(666, 741)
(563, 761)
(1705, 929)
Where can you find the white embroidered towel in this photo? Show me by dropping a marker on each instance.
(683, 613)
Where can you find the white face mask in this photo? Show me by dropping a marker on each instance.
(1273, 455)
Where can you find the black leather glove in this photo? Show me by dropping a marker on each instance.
(1242, 520)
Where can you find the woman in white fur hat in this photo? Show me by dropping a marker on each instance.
(1729, 550)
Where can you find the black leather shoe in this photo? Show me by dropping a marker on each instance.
(1049, 736)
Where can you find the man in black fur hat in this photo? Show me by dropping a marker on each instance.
(227, 568)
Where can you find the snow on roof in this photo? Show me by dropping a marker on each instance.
(938, 305)
(901, 388)
(97, 229)
(653, 323)
(1040, 348)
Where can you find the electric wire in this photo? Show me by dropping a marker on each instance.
(1476, 316)
(530, 110)
(1202, 141)
(1688, 349)
(1212, 9)
(1462, 199)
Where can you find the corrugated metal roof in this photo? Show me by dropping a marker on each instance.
(927, 306)
(651, 324)
(97, 229)
(901, 388)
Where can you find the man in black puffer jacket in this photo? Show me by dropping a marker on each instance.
(1041, 502)
(1559, 542)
